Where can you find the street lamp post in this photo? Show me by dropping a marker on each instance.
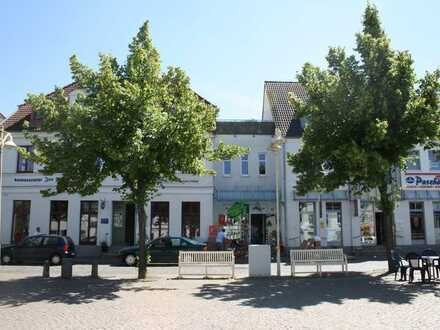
(276, 145)
(6, 141)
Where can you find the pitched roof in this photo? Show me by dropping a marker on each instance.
(283, 113)
(248, 127)
(24, 110)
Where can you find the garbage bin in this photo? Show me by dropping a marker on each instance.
(259, 260)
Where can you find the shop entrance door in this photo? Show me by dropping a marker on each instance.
(258, 229)
(123, 223)
(380, 229)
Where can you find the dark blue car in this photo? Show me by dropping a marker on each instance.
(163, 250)
(39, 248)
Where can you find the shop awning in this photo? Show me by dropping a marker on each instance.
(334, 195)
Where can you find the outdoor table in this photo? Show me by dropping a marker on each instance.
(430, 262)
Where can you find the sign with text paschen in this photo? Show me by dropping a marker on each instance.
(421, 181)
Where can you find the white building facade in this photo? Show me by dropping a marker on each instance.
(197, 206)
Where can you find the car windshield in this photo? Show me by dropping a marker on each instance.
(193, 242)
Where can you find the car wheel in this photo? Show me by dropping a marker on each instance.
(130, 259)
(55, 259)
(6, 259)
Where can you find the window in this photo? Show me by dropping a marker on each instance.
(160, 243)
(227, 167)
(53, 241)
(191, 219)
(245, 165)
(262, 164)
(160, 218)
(436, 207)
(88, 222)
(175, 242)
(367, 223)
(32, 242)
(435, 162)
(24, 165)
(20, 220)
(58, 218)
(417, 220)
(307, 223)
(413, 161)
(334, 224)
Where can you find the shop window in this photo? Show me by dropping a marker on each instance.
(191, 219)
(58, 218)
(436, 207)
(227, 167)
(433, 159)
(88, 222)
(20, 220)
(417, 220)
(160, 219)
(24, 165)
(262, 164)
(367, 223)
(307, 224)
(245, 165)
(334, 224)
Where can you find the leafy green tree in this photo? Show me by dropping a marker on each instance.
(364, 115)
(131, 122)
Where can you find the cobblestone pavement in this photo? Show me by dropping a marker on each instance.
(362, 300)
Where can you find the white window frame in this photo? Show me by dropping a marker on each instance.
(244, 159)
(431, 154)
(230, 167)
(262, 161)
(415, 157)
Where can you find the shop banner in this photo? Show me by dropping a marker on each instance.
(421, 181)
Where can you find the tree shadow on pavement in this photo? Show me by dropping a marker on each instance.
(302, 292)
(78, 290)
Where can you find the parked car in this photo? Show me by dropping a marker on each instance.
(38, 248)
(163, 250)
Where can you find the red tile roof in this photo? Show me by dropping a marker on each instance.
(24, 110)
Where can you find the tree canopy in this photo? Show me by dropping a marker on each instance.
(365, 112)
(131, 121)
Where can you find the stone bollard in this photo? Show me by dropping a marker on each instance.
(95, 270)
(66, 268)
(46, 269)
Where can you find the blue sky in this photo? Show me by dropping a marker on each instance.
(228, 48)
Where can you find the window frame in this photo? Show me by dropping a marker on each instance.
(58, 220)
(431, 161)
(89, 214)
(15, 203)
(416, 159)
(260, 161)
(230, 167)
(29, 165)
(244, 161)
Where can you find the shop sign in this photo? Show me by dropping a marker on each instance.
(34, 179)
(421, 181)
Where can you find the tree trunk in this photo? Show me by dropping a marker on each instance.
(142, 265)
(387, 207)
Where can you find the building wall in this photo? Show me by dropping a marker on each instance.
(253, 182)
(27, 186)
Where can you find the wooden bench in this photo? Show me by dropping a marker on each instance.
(318, 258)
(206, 260)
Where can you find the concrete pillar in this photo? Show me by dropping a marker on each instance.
(429, 223)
